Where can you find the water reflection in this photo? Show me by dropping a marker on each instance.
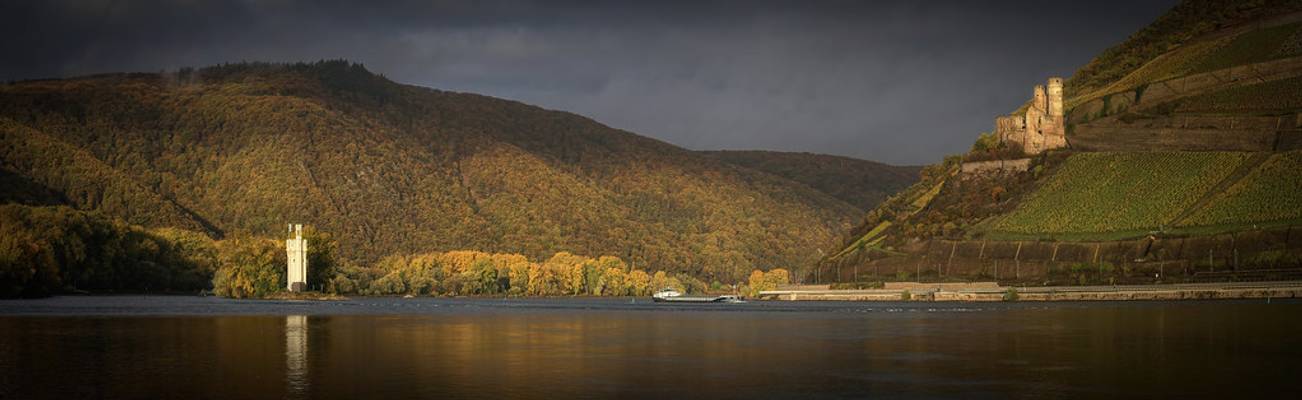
(1153, 350)
(296, 342)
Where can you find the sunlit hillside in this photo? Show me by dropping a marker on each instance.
(1186, 132)
(394, 169)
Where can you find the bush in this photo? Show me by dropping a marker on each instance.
(986, 141)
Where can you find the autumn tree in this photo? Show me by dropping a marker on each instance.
(250, 267)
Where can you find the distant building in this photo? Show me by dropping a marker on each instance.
(296, 247)
(1043, 125)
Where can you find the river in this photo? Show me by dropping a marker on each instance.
(390, 348)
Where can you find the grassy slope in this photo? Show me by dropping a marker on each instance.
(861, 183)
(401, 169)
(1182, 24)
(1270, 98)
(1271, 192)
(1118, 192)
(1210, 54)
(1097, 196)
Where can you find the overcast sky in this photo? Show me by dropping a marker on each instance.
(900, 82)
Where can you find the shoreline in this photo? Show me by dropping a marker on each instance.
(893, 292)
(948, 292)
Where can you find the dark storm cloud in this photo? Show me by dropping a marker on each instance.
(902, 82)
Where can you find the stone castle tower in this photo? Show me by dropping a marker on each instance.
(1042, 127)
(296, 247)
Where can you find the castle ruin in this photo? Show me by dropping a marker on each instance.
(296, 247)
(1042, 127)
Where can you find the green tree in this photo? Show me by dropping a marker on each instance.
(322, 256)
(250, 267)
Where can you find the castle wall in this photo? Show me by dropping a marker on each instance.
(1041, 127)
(1055, 97)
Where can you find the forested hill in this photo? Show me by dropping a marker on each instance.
(395, 169)
(861, 183)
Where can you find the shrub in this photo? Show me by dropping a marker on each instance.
(1011, 294)
(986, 141)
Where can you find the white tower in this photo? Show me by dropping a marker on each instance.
(296, 247)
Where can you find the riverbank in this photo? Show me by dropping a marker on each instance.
(989, 291)
(315, 296)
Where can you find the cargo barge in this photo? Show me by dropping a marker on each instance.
(668, 295)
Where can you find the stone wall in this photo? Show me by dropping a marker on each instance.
(1176, 259)
(994, 167)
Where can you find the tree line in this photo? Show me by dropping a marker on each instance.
(56, 249)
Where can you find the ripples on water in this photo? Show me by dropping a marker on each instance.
(190, 347)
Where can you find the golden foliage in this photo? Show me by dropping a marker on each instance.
(391, 169)
(478, 273)
(761, 281)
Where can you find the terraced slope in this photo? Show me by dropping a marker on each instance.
(1100, 196)
(1270, 193)
(1184, 24)
(1118, 192)
(1210, 54)
(1260, 99)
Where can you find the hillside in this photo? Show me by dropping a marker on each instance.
(1174, 31)
(395, 169)
(861, 183)
(1182, 147)
(1097, 196)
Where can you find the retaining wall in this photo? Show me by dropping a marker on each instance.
(1177, 257)
(994, 167)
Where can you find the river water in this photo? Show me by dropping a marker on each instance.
(389, 348)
